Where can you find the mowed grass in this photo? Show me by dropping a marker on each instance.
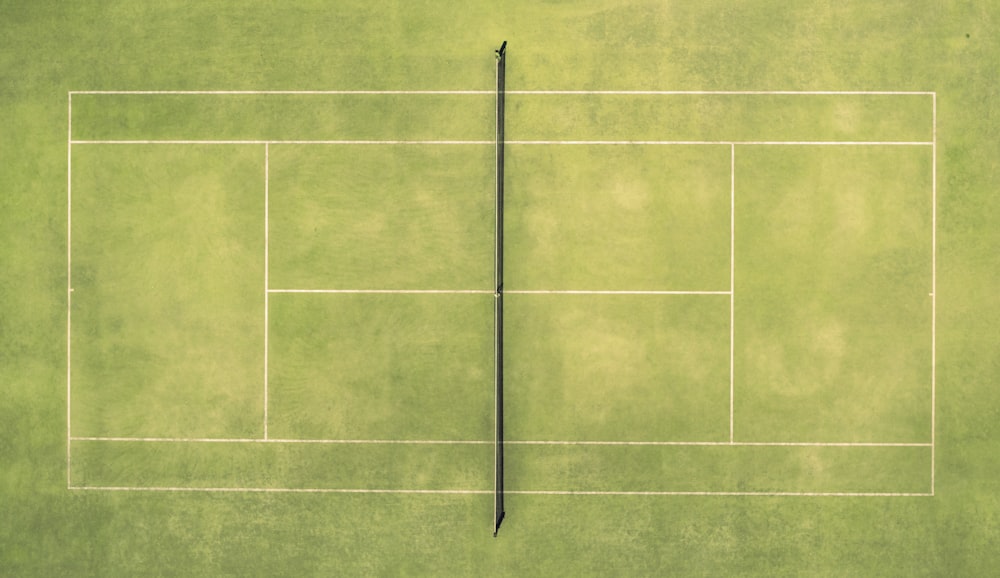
(52, 47)
(833, 276)
(284, 466)
(381, 367)
(381, 217)
(595, 217)
(717, 468)
(719, 117)
(617, 367)
(283, 116)
(168, 281)
(408, 367)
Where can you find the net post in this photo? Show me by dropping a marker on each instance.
(498, 489)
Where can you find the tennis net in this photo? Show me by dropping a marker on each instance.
(498, 494)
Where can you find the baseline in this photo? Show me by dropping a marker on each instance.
(492, 92)
(509, 142)
(510, 442)
(521, 492)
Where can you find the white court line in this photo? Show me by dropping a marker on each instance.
(726, 444)
(933, 288)
(267, 267)
(683, 493)
(508, 442)
(69, 284)
(478, 291)
(283, 142)
(720, 142)
(520, 492)
(609, 292)
(509, 142)
(283, 92)
(275, 441)
(732, 289)
(724, 92)
(528, 92)
(275, 490)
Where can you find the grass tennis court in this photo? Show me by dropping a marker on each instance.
(361, 310)
(249, 320)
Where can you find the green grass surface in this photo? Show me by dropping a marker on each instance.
(716, 469)
(283, 117)
(617, 368)
(168, 301)
(381, 367)
(617, 217)
(381, 217)
(838, 346)
(718, 117)
(284, 466)
(832, 283)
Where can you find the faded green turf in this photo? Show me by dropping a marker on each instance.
(658, 468)
(714, 117)
(283, 117)
(617, 368)
(381, 217)
(284, 465)
(617, 217)
(837, 347)
(381, 367)
(49, 48)
(168, 302)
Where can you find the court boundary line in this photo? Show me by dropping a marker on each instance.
(69, 290)
(273, 490)
(479, 492)
(732, 291)
(523, 92)
(277, 142)
(267, 272)
(720, 493)
(484, 142)
(486, 442)
(933, 289)
(271, 440)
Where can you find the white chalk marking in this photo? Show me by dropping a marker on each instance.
(274, 142)
(608, 292)
(732, 289)
(509, 142)
(509, 442)
(69, 286)
(933, 288)
(521, 492)
(527, 92)
(683, 493)
(267, 266)
(274, 490)
(477, 291)
(270, 440)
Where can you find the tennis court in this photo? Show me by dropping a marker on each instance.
(251, 300)
(292, 292)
